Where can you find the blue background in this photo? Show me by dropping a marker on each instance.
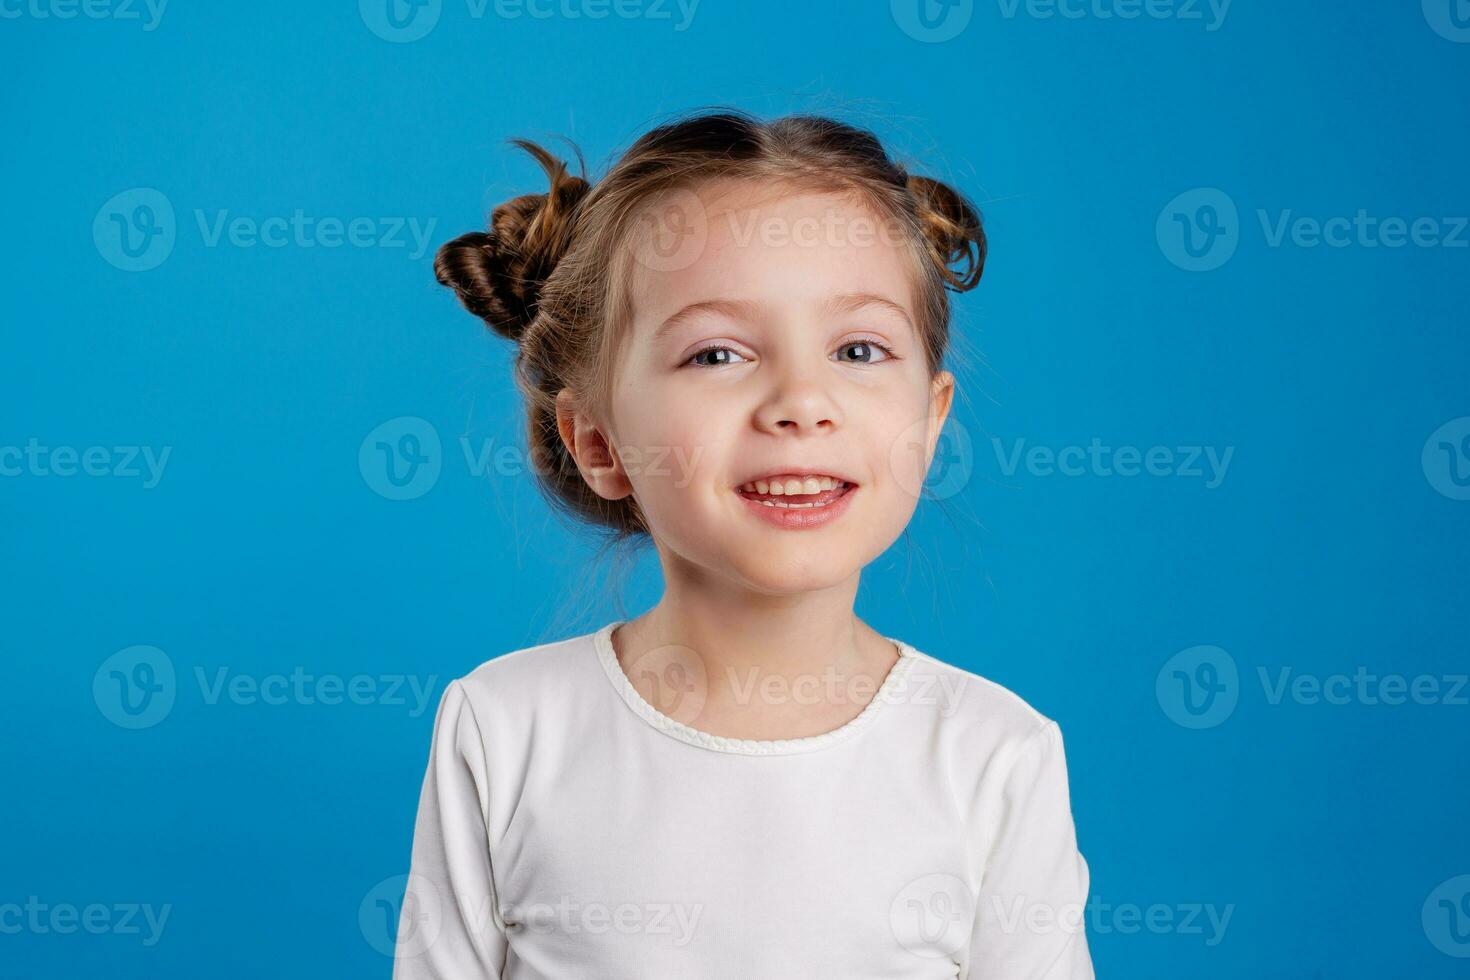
(264, 546)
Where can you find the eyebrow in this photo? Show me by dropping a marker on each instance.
(750, 309)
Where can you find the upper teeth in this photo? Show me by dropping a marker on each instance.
(793, 484)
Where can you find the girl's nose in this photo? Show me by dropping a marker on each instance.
(799, 401)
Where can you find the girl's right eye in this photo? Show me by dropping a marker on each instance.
(713, 349)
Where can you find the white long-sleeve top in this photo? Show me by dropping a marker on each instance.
(569, 830)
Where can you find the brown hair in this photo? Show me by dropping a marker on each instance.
(550, 272)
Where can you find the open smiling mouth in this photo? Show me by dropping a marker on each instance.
(797, 501)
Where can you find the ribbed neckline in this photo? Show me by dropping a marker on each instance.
(608, 657)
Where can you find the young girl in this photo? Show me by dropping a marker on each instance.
(732, 344)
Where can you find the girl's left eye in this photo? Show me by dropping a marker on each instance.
(714, 349)
(866, 349)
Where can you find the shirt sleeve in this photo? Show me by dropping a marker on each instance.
(450, 926)
(1030, 915)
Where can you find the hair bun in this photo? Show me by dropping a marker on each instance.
(498, 275)
(954, 231)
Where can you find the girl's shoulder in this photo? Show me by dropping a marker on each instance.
(966, 704)
(540, 675)
(981, 732)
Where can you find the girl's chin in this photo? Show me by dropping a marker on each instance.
(788, 571)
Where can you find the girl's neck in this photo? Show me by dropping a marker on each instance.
(775, 668)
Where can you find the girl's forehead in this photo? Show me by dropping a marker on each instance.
(727, 200)
(768, 244)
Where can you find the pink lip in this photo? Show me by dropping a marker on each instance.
(831, 504)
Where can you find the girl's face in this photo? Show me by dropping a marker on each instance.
(774, 333)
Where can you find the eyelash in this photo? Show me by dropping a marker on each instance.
(869, 341)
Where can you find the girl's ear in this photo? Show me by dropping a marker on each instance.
(590, 450)
(941, 397)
